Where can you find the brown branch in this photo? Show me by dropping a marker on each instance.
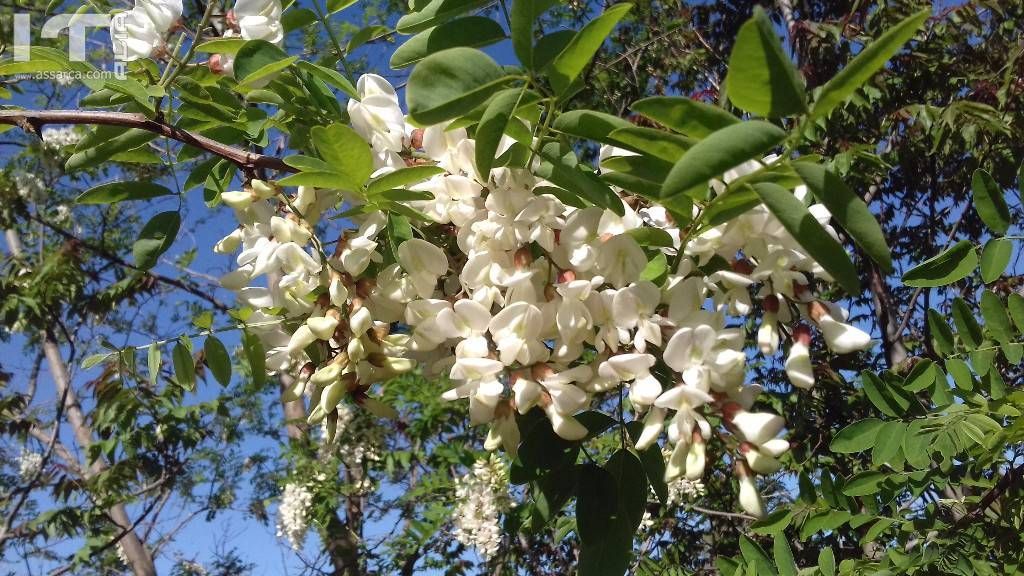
(31, 120)
(1012, 476)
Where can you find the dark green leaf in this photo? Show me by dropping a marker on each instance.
(589, 124)
(996, 320)
(329, 76)
(120, 191)
(864, 483)
(258, 59)
(471, 31)
(435, 13)
(184, 367)
(875, 389)
(652, 237)
(657, 143)
(848, 209)
(450, 83)
(722, 150)
(256, 358)
(562, 169)
(569, 64)
(155, 238)
(867, 62)
(890, 441)
(755, 555)
(685, 115)
(103, 150)
(818, 243)
(856, 437)
(402, 177)
(345, 151)
(492, 127)
(961, 374)
(217, 359)
(922, 376)
(989, 202)
(966, 326)
(761, 78)
(773, 523)
(942, 335)
(1015, 304)
(953, 264)
(784, 556)
(994, 259)
(521, 16)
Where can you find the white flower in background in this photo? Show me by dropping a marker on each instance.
(55, 138)
(29, 187)
(681, 491)
(481, 496)
(144, 28)
(29, 464)
(293, 514)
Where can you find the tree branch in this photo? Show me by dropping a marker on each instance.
(31, 120)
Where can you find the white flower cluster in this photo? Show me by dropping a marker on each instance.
(293, 514)
(681, 491)
(481, 496)
(524, 301)
(29, 187)
(145, 28)
(29, 463)
(59, 137)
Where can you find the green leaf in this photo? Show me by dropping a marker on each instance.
(916, 443)
(521, 18)
(961, 374)
(258, 59)
(867, 62)
(989, 202)
(875, 389)
(953, 264)
(773, 523)
(155, 238)
(229, 46)
(320, 180)
(153, 363)
(657, 143)
(827, 562)
(996, 320)
(569, 64)
(334, 6)
(942, 335)
(256, 358)
(818, 243)
(216, 356)
(95, 359)
(722, 150)
(966, 326)
(921, 376)
(725, 207)
(120, 191)
(184, 367)
(471, 31)
(652, 237)
(450, 83)
(329, 77)
(848, 209)
(994, 259)
(307, 163)
(562, 169)
(890, 441)
(297, 18)
(755, 555)
(784, 556)
(604, 532)
(864, 483)
(684, 115)
(1015, 304)
(105, 149)
(762, 79)
(856, 437)
(435, 13)
(402, 177)
(492, 126)
(345, 151)
(589, 124)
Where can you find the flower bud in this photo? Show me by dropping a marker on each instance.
(750, 499)
(768, 334)
(322, 327)
(653, 425)
(696, 458)
(326, 375)
(758, 462)
(294, 392)
(798, 363)
(301, 338)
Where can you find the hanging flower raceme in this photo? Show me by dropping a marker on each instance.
(522, 301)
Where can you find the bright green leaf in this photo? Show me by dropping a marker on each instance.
(120, 191)
(989, 202)
(856, 437)
(471, 31)
(953, 264)
(569, 64)
(451, 82)
(155, 238)
(761, 78)
(216, 357)
(722, 150)
(492, 126)
(994, 259)
(685, 115)
(184, 366)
